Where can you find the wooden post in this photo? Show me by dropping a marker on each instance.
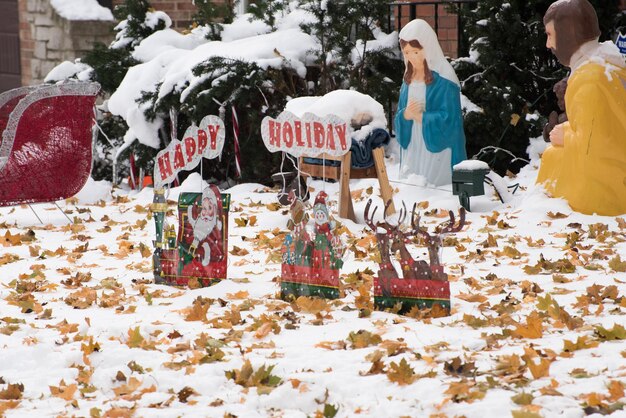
(386, 192)
(346, 209)
(343, 174)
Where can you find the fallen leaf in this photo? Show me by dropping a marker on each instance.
(64, 391)
(362, 339)
(12, 392)
(401, 373)
(532, 329)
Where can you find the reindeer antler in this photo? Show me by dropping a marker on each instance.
(369, 221)
(451, 227)
(415, 225)
(402, 215)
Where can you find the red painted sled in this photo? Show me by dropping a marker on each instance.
(47, 140)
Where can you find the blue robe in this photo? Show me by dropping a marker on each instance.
(442, 122)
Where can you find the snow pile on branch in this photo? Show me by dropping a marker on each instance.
(81, 10)
(165, 40)
(68, 69)
(170, 58)
(152, 20)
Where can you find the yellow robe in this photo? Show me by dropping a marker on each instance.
(589, 170)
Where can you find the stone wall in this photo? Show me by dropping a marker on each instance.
(48, 39)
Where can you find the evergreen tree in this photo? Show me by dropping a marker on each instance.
(110, 64)
(212, 15)
(268, 10)
(511, 73)
(354, 52)
(345, 60)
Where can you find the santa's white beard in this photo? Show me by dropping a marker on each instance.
(201, 229)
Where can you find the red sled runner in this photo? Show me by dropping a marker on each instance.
(47, 141)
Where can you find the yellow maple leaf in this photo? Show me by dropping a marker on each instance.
(135, 339)
(472, 297)
(198, 309)
(616, 390)
(312, 305)
(533, 327)
(12, 392)
(127, 388)
(64, 391)
(401, 373)
(242, 294)
(81, 299)
(6, 405)
(539, 370)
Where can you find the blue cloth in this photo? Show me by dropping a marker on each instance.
(361, 150)
(442, 123)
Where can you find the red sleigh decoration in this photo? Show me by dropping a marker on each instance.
(46, 144)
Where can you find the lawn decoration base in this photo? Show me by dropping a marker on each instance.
(46, 142)
(311, 264)
(422, 285)
(196, 256)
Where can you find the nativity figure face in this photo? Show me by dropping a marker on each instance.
(415, 60)
(569, 24)
(551, 37)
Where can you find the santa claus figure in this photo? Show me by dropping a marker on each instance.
(207, 226)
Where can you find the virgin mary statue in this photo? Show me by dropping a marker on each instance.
(429, 123)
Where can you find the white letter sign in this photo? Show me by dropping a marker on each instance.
(204, 141)
(309, 135)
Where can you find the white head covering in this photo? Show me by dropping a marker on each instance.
(421, 31)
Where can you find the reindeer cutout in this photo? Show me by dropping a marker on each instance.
(384, 233)
(434, 242)
(421, 284)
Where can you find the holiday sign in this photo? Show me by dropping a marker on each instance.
(204, 141)
(310, 135)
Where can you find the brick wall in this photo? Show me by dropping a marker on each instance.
(47, 39)
(444, 23)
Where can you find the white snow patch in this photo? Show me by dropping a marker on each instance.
(81, 10)
(153, 18)
(347, 104)
(471, 165)
(468, 106)
(244, 27)
(94, 192)
(165, 40)
(68, 69)
(536, 147)
(532, 116)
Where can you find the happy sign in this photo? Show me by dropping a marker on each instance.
(309, 135)
(204, 141)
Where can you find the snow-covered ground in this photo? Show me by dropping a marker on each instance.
(535, 330)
